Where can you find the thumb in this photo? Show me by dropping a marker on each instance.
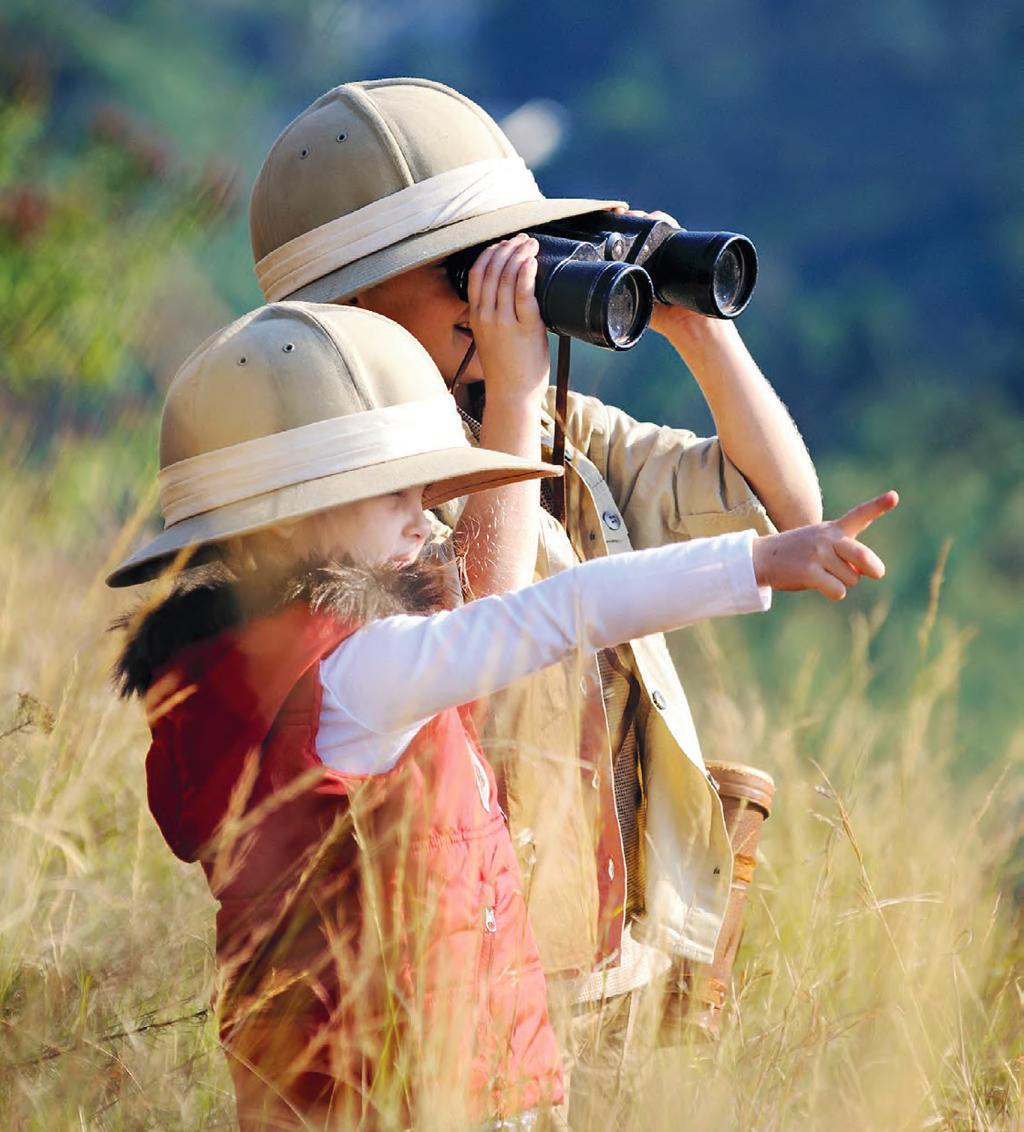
(861, 517)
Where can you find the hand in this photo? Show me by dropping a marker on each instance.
(505, 318)
(826, 556)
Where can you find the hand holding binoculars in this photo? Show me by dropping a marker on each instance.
(598, 275)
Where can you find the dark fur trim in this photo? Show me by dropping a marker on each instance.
(354, 592)
(203, 602)
(210, 600)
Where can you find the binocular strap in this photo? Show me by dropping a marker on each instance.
(561, 411)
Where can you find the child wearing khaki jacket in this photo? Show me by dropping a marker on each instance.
(619, 827)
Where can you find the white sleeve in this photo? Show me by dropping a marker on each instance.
(396, 673)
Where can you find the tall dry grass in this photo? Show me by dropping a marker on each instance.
(879, 985)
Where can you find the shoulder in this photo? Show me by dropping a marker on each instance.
(202, 605)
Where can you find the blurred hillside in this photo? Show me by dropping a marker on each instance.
(873, 152)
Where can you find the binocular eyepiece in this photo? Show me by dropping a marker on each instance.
(598, 275)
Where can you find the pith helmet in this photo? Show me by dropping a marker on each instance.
(297, 408)
(376, 178)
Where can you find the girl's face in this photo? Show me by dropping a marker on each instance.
(386, 528)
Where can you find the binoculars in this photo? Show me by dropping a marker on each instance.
(598, 275)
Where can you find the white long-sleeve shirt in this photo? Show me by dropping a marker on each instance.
(385, 681)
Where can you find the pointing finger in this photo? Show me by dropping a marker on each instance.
(861, 517)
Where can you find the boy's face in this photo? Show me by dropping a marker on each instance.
(388, 528)
(425, 303)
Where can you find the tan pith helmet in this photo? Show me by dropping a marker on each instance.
(375, 178)
(296, 408)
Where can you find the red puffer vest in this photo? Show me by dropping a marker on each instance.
(372, 937)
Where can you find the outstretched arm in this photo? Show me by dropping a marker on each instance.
(464, 654)
(454, 657)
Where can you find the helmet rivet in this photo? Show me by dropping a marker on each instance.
(341, 137)
(303, 153)
(242, 360)
(288, 347)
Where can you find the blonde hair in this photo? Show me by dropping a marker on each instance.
(273, 550)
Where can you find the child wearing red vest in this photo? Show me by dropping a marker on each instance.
(306, 687)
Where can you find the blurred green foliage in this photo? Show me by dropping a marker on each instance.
(84, 234)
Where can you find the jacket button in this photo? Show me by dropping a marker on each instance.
(611, 520)
(659, 700)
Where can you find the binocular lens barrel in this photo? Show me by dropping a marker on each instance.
(599, 301)
(608, 304)
(710, 272)
(602, 290)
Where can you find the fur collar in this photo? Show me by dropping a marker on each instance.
(211, 599)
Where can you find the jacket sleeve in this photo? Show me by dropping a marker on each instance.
(669, 483)
(459, 656)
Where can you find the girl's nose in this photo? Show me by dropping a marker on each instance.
(418, 525)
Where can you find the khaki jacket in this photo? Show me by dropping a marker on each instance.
(628, 486)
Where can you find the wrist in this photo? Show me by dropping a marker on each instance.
(513, 401)
(512, 426)
(760, 552)
(696, 336)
